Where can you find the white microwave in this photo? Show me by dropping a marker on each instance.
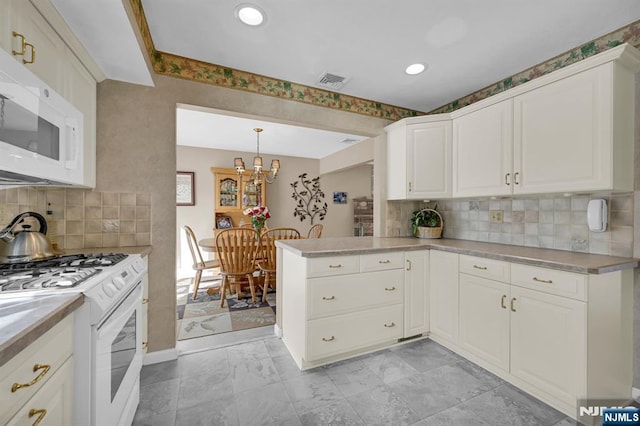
(41, 133)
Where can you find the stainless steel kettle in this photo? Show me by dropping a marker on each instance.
(25, 245)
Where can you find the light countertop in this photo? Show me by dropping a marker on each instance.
(25, 318)
(548, 258)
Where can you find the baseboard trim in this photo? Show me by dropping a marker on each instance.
(160, 356)
(635, 394)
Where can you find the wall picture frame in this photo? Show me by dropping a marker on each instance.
(185, 189)
(339, 198)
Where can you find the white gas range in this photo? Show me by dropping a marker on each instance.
(108, 329)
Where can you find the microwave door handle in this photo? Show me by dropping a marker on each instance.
(71, 140)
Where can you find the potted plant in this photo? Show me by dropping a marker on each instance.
(427, 223)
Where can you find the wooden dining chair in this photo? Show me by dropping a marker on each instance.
(199, 264)
(315, 231)
(237, 249)
(267, 264)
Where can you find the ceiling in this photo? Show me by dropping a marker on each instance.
(466, 44)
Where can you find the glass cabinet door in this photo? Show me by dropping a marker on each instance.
(252, 194)
(228, 192)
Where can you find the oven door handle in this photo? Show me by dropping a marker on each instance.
(125, 305)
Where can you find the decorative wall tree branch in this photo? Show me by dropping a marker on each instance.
(309, 197)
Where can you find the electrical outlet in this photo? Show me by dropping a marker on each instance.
(495, 216)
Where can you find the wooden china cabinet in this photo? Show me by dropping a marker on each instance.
(231, 196)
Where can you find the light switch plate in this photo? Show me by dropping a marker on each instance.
(496, 216)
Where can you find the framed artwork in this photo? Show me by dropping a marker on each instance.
(185, 189)
(339, 198)
(224, 222)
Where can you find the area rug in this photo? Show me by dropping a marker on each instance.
(205, 317)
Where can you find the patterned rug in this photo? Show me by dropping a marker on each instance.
(204, 316)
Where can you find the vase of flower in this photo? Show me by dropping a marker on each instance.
(259, 216)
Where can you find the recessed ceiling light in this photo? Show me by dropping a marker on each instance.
(250, 14)
(415, 69)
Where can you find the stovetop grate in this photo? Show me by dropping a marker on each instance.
(72, 260)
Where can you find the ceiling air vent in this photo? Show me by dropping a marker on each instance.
(332, 81)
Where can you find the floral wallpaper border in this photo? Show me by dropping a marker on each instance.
(191, 69)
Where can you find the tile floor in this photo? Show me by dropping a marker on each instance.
(256, 382)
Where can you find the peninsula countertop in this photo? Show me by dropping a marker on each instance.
(557, 259)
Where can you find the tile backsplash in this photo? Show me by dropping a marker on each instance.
(548, 222)
(81, 218)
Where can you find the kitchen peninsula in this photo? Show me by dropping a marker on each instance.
(557, 324)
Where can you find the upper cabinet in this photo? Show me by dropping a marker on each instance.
(28, 35)
(232, 195)
(419, 158)
(568, 131)
(483, 151)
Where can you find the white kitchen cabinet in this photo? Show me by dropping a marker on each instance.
(484, 319)
(339, 306)
(443, 297)
(416, 293)
(483, 151)
(40, 377)
(419, 158)
(568, 135)
(550, 332)
(49, 57)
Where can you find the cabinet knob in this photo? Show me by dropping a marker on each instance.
(504, 297)
(408, 265)
(513, 308)
(145, 345)
(45, 369)
(40, 413)
(515, 178)
(506, 179)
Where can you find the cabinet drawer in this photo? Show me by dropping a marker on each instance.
(50, 350)
(381, 261)
(344, 333)
(485, 268)
(335, 265)
(562, 283)
(339, 295)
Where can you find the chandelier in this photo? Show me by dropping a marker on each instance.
(257, 175)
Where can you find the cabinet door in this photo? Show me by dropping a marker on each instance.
(416, 293)
(483, 151)
(227, 196)
(548, 342)
(484, 319)
(429, 160)
(397, 176)
(443, 295)
(252, 194)
(562, 135)
(47, 48)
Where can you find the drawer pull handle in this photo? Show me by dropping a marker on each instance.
(335, 266)
(482, 268)
(145, 345)
(328, 298)
(393, 324)
(543, 281)
(45, 369)
(515, 178)
(384, 261)
(324, 339)
(408, 265)
(145, 301)
(40, 413)
(390, 288)
(513, 308)
(504, 296)
(22, 44)
(506, 179)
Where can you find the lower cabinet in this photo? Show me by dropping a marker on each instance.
(36, 385)
(443, 298)
(336, 307)
(559, 335)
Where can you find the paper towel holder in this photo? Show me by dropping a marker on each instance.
(597, 215)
